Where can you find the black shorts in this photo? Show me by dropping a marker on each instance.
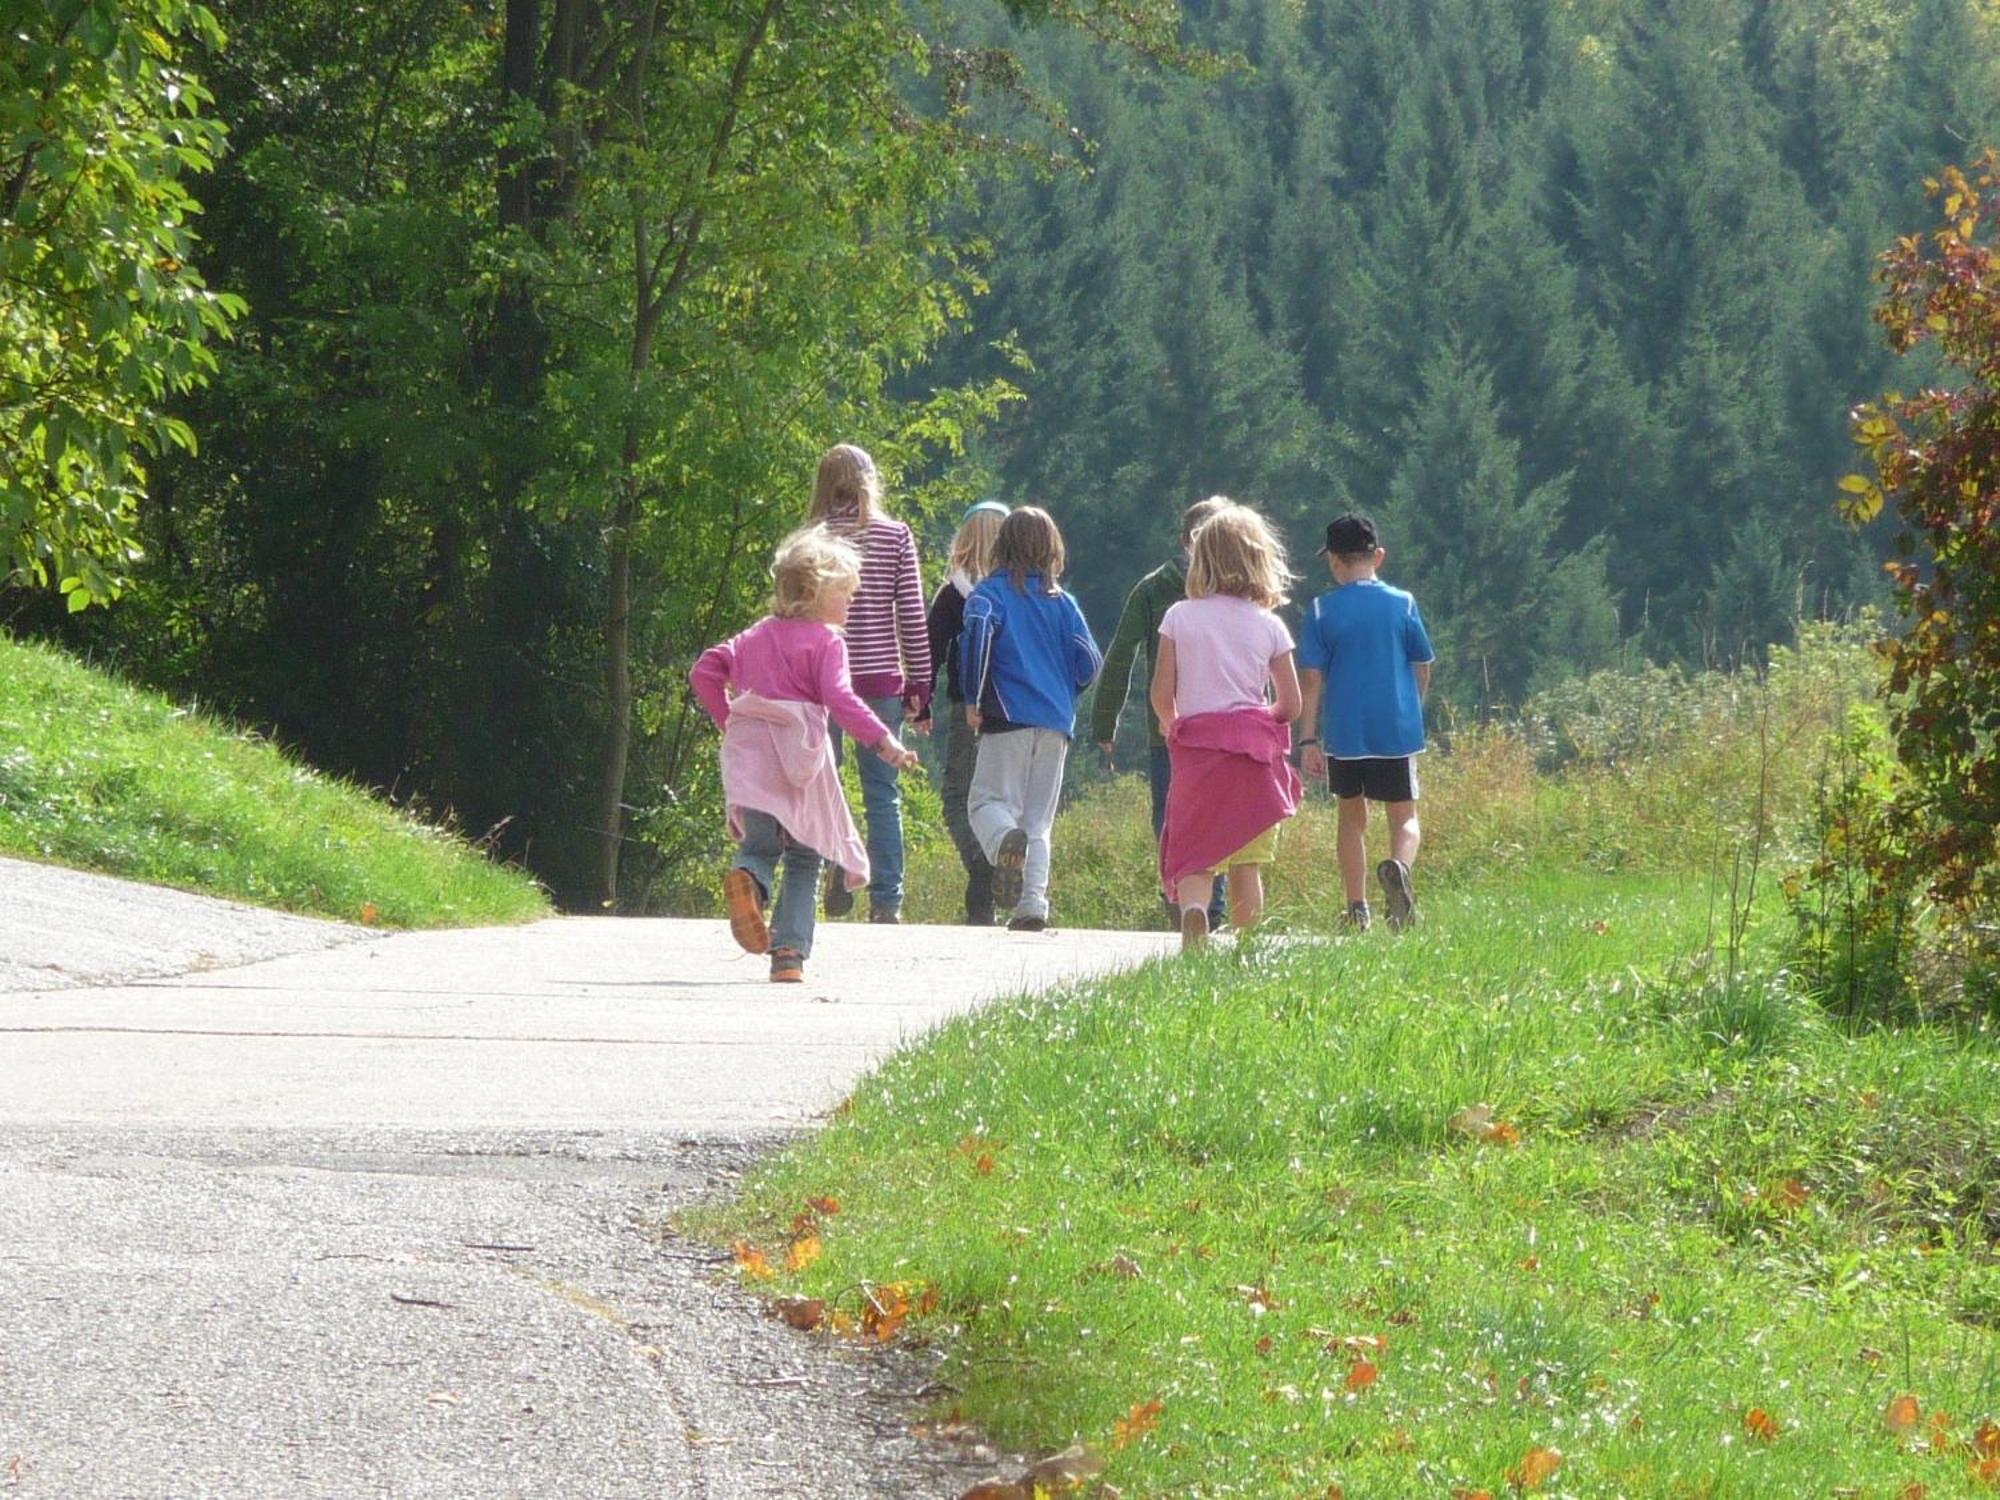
(1379, 779)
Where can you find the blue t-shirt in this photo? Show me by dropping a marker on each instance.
(1364, 638)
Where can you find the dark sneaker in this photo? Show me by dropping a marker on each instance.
(1194, 930)
(1007, 867)
(786, 966)
(839, 900)
(1400, 901)
(1028, 924)
(891, 916)
(1358, 916)
(744, 901)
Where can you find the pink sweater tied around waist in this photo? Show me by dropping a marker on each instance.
(777, 758)
(1232, 779)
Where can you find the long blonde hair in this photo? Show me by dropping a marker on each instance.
(1030, 543)
(809, 563)
(847, 482)
(972, 545)
(1236, 552)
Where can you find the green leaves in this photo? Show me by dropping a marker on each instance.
(102, 319)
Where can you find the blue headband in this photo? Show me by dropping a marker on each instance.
(984, 505)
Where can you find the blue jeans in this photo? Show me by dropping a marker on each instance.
(881, 811)
(1159, 774)
(765, 845)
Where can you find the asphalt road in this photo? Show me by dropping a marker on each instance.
(293, 1209)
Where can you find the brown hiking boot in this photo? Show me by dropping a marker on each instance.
(744, 901)
(787, 967)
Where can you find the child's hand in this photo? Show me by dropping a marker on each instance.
(972, 717)
(1312, 760)
(897, 754)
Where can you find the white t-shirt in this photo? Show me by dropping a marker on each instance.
(1223, 647)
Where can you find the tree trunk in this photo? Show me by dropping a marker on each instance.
(618, 691)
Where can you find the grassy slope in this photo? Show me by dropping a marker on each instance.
(1720, 1204)
(102, 776)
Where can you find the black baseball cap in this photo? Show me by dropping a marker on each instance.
(1350, 536)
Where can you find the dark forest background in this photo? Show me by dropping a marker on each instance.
(551, 307)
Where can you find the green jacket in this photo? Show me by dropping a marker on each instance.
(1138, 624)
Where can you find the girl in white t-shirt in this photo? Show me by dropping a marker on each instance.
(1226, 691)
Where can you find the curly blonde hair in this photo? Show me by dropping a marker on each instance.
(809, 563)
(1236, 552)
(847, 481)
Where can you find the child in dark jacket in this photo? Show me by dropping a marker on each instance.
(1025, 655)
(971, 557)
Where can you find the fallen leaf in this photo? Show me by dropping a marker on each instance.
(1912, 1492)
(1535, 1469)
(985, 1164)
(1260, 1298)
(1264, 1344)
(1462, 1494)
(370, 914)
(997, 1489)
(802, 1253)
(1358, 1343)
(1360, 1375)
(1761, 1425)
(1531, 1263)
(751, 1262)
(1986, 1440)
(827, 1206)
(1869, 1356)
(1788, 1195)
(1124, 1267)
(1135, 1424)
(1900, 1416)
(883, 1309)
(1476, 1121)
(1985, 1471)
(802, 1313)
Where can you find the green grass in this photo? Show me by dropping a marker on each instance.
(101, 776)
(1718, 1202)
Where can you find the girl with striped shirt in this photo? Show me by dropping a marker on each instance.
(888, 652)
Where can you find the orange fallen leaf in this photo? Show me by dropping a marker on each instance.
(1901, 1415)
(826, 1206)
(1264, 1344)
(802, 1313)
(926, 1303)
(996, 1489)
(1360, 1375)
(1535, 1469)
(1912, 1492)
(370, 914)
(1985, 1471)
(802, 1253)
(1464, 1494)
(1789, 1194)
(1761, 1425)
(1531, 1263)
(1986, 1440)
(1940, 1429)
(985, 1164)
(751, 1262)
(1135, 1424)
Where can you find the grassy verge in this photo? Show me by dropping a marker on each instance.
(1728, 1238)
(103, 777)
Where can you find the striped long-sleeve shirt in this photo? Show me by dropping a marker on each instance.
(888, 647)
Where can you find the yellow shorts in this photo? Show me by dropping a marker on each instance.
(1259, 851)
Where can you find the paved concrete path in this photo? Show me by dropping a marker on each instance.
(384, 1215)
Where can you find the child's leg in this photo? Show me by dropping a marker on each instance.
(1041, 791)
(961, 748)
(1194, 892)
(1246, 895)
(1353, 843)
(792, 921)
(1404, 834)
(993, 804)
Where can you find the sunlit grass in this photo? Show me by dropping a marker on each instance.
(103, 777)
(1719, 1203)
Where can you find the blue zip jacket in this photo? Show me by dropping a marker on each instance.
(1025, 654)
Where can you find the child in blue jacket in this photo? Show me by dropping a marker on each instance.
(1025, 654)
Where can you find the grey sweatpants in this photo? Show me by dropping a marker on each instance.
(1016, 783)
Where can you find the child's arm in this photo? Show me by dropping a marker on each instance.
(1423, 671)
(1166, 674)
(975, 653)
(1116, 679)
(912, 626)
(834, 683)
(710, 681)
(1085, 660)
(1312, 754)
(1285, 675)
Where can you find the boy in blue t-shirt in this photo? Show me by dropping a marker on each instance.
(1365, 647)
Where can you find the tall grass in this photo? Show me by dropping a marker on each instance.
(101, 776)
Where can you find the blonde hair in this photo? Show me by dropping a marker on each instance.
(1236, 552)
(810, 562)
(1030, 543)
(847, 481)
(972, 547)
